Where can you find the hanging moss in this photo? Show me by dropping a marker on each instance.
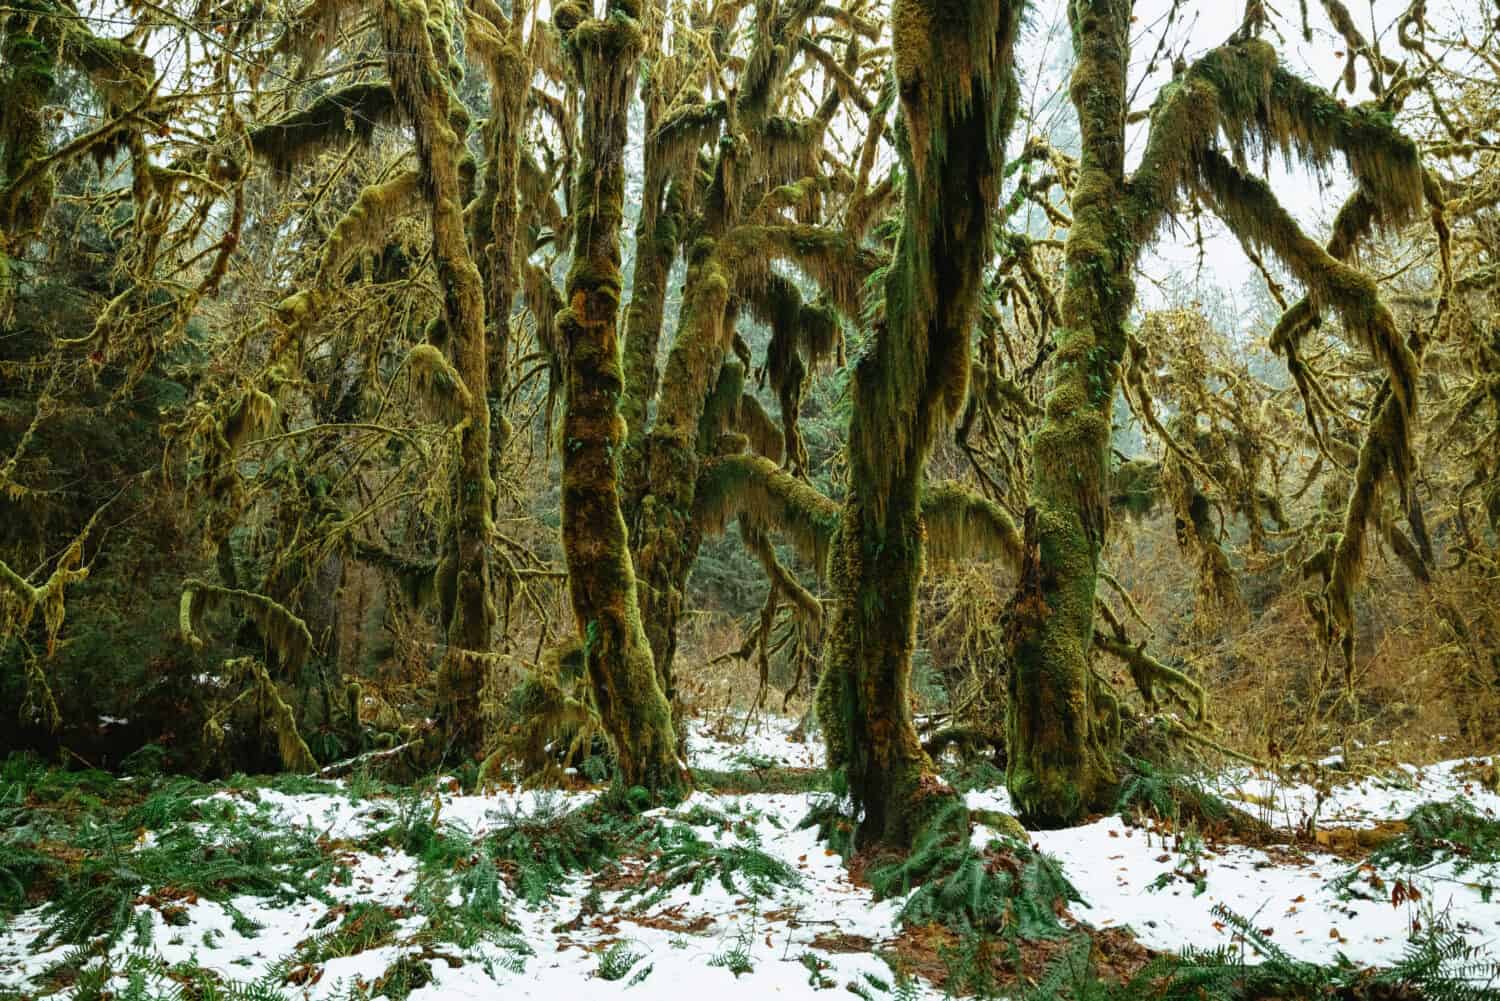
(285, 634)
(41, 38)
(367, 224)
(350, 112)
(1135, 487)
(803, 337)
(19, 601)
(756, 488)
(295, 756)
(960, 524)
(439, 383)
(252, 417)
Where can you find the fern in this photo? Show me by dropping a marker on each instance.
(741, 868)
(1167, 794)
(1441, 966)
(236, 855)
(1445, 832)
(616, 961)
(1009, 887)
(544, 849)
(737, 958)
(364, 926)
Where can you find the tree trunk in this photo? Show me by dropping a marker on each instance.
(864, 697)
(958, 97)
(601, 574)
(1060, 763)
(667, 545)
(420, 67)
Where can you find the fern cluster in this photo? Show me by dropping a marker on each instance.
(218, 854)
(142, 975)
(685, 859)
(1452, 832)
(545, 849)
(363, 926)
(1007, 887)
(1168, 794)
(1437, 966)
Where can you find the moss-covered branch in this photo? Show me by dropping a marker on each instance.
(352, 112)
(284, 632)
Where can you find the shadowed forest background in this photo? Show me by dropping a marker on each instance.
(1075, 391)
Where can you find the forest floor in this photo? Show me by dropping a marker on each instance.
(294, 887)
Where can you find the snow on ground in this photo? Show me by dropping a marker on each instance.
(1362, 802)
(758, 741)
(686, 944)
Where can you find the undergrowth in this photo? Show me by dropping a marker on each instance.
(1446, 832)
(1151, 789)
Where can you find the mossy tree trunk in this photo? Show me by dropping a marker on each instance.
(668, 542)
(1063, 722)
(656, 238)
(601, 574)
(1060, 763)
(419, 54)
(958, 99)
(496, 217)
